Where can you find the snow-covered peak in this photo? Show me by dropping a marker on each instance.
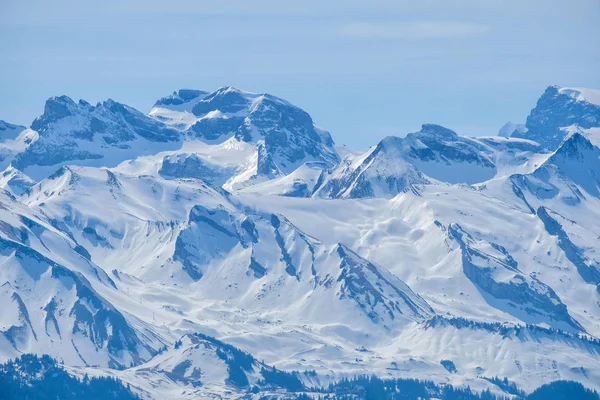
(578, 160)
(227, 100)
(101, 135)
(199, 103)
(56, 107)
(381, 171)
(227, 236)
(395, 164)
(389, 143)
(571, 174)
(285, 135)
(180, 97)
(557, 110)
(113, 120)
(582, 94)
(575, 147)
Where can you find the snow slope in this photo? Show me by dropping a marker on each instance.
(49, 288)
(220, 243)
(14, 139)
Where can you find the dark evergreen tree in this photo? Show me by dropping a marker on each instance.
(563, 390)
(30, 377)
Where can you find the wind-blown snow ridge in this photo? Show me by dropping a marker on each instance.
(582, 94)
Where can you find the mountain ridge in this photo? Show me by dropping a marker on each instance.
(176, 249)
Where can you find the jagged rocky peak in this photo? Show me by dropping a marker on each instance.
(113, 120)
(100, 135)
(180, 97)
(575, 147)
(382, 171)
(286, 134)
(570, 174)
(60, 107)
(578, 160)
(223, 102)
(264, 112)
(557, 109)
(396, 164)
(226, 100)
(56, 108)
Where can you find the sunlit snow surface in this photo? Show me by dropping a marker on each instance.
(425, 248)
(583, 94)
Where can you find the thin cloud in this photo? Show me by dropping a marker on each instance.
(413, 30)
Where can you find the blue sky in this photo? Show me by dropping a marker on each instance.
(362, 69)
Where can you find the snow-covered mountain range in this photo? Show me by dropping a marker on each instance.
(222, 245)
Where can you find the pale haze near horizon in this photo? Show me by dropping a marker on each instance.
(363, 70)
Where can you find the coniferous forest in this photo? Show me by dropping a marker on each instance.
(30, 377)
